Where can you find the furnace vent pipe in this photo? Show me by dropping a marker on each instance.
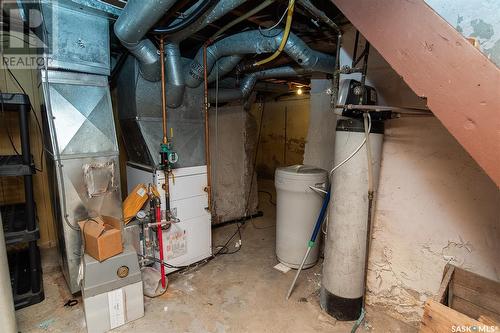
(254, 42)
(136, 19)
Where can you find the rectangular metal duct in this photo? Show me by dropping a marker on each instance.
(78, 36)
(83, 157)
(139, 109)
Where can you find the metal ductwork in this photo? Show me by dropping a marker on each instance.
(220, 9)
(137, 18)
(249, 81)
(223, 66)
(175, 79)
(255, 42)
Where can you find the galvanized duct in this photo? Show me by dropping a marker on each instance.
(255, 42)
(136, 20)
(175, 77)
(249, 81)
(223, 66)
(221, 9)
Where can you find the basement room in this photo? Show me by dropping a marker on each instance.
(226, 166)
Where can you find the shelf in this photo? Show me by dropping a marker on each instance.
(13, 102)
(22, 278)
(12, 165)
(14, 225)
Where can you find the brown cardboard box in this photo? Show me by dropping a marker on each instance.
(102, 237)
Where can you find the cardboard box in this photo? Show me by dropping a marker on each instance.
(134, 202)
(102, 237)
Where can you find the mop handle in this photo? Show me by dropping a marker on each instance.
(320, 220)
(310, 244)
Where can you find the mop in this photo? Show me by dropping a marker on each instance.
(312, 241)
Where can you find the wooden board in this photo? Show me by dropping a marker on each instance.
(443, 288)
(471, 309)
(475, 295)
(439, 318)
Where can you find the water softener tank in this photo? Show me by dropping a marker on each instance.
(297, 208)
(342, 284)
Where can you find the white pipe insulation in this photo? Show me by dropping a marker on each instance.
(343, 279)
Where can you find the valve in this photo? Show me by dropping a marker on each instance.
(167, 155)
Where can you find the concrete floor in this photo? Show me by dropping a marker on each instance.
(240, 292)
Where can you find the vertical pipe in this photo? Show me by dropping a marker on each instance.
(163, 92)
(207, 131)
(336, 74)
(159, 232)
(7, 314)
(165, 162)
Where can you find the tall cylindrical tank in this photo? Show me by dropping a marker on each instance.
(342, 284)
(297, 208)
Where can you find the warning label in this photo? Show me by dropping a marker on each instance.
(176, 242)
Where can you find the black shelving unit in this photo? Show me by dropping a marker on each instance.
(19, 220)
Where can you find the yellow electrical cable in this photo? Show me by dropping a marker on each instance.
(286, 33)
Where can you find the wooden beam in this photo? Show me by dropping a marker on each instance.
(461, 85)
(443, 288)
(439, 318)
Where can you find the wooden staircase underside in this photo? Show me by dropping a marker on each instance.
(461, 85)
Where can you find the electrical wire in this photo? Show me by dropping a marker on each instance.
(284, 39)
(240, 19)
(277, 23)
(187, 21)
(270, 197)
(354, 152)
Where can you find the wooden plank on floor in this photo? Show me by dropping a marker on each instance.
(488, 321)
(439, 318)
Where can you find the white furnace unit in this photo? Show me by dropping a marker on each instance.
(189, 240)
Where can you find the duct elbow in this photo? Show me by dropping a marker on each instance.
(131, 27)
(149, 61)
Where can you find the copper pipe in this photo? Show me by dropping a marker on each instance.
(167, 168)
(163, 92)
(207, 131)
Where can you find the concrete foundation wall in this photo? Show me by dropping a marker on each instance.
(284, 132)
(434, 206)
